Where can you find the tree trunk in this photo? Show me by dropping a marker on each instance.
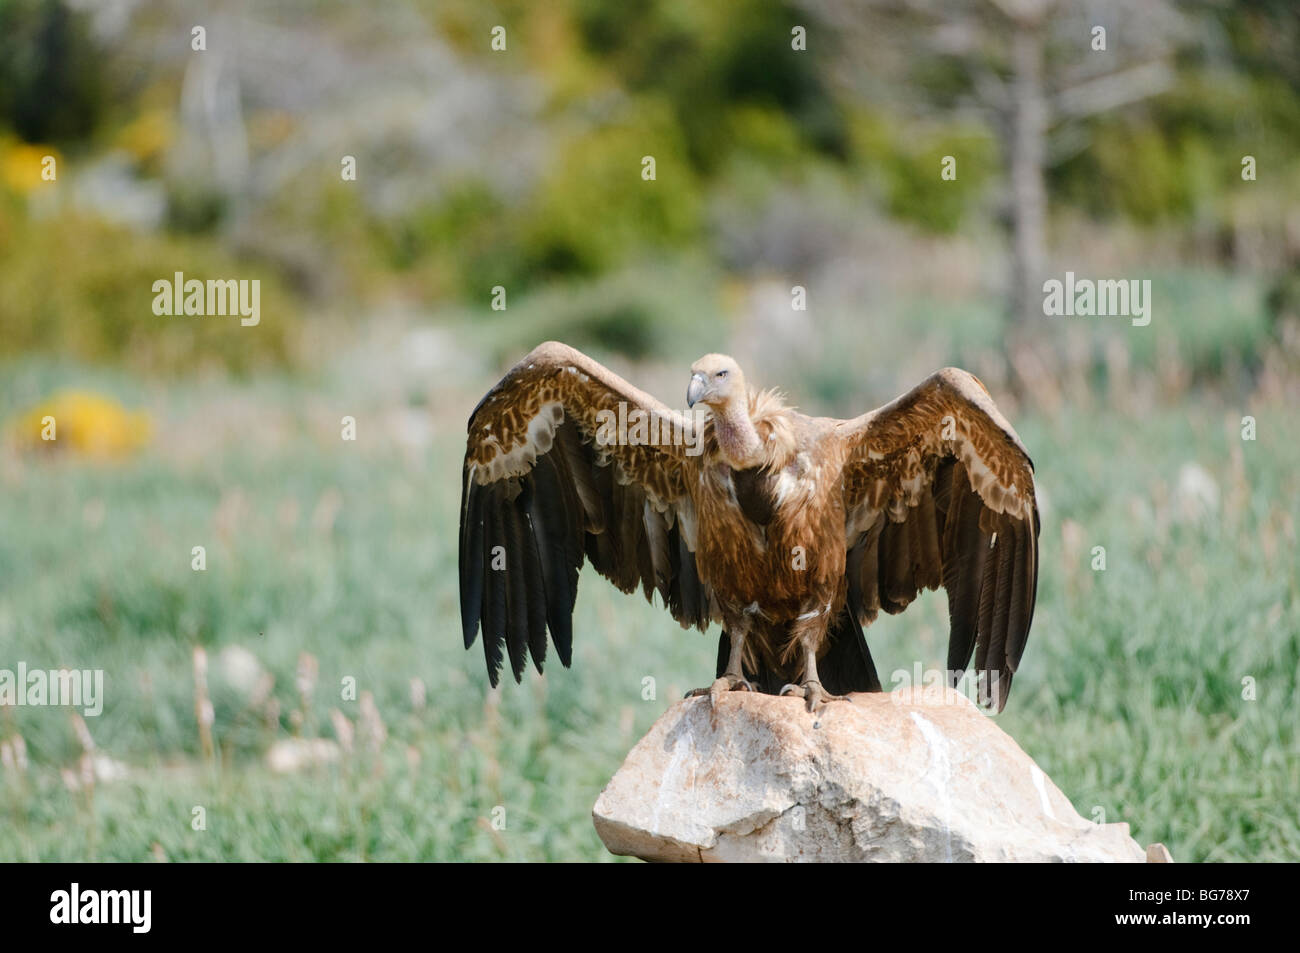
(1027, 134)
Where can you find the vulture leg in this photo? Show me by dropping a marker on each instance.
(811, 635)
(733, 679)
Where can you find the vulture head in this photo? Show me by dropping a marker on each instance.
(716, 380)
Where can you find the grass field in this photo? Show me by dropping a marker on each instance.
(1130, 695)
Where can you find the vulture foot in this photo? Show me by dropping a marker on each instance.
(813, 693)
(726, 683)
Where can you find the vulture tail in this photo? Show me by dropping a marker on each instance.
(846, 666)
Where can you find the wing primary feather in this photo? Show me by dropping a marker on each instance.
(1023, 582)
(631, 525)
(494, 589)
(656, 541)
(552, 523)
(965, 548)
(534, 579)
(869, 574)
(602, 544)
(674, 598)
(579, 465)
(471, 558)
(574, 544)
(1033, 575)
(853, 573)
(988, 597)
(929, 573)
(896, 573)
(942, 492)
(1009, 543)
(694, 608)
(516, 592)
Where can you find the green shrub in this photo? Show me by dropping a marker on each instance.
(904, 162)
(593, 210)
(650, 311)
(83, 290)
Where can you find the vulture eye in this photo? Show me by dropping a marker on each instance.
(720, 375)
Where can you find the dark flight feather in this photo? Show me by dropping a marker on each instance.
(494, 595)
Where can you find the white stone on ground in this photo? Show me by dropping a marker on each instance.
(904, 776)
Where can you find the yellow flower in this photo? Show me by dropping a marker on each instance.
(83, 422)
(21, 165)
(148, 135)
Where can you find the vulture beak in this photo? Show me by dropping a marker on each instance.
(695, 390)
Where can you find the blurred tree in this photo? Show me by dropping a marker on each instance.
(1263, 35)
(711, 59)
(987, 59)
(50, 86)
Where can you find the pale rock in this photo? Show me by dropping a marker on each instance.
(94, 768)
(240, 668)
(1158, 854)
(913, 775)
(1196, 495)
(109, 769)
(291, 755)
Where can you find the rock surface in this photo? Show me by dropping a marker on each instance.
(904, 776)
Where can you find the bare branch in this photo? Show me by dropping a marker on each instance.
(1114, 90)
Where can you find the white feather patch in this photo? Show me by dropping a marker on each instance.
(996, 496)
(519, 459)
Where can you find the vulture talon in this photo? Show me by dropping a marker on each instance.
(813, 693)
(724, 683)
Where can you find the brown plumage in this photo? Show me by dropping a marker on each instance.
(791, 531)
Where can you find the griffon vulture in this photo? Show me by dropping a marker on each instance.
(790, 531)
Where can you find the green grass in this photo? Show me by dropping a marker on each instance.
(1130, 695)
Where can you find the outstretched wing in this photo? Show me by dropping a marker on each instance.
(566, 461)
(939, 490)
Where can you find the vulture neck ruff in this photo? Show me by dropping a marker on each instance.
(738, 440)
